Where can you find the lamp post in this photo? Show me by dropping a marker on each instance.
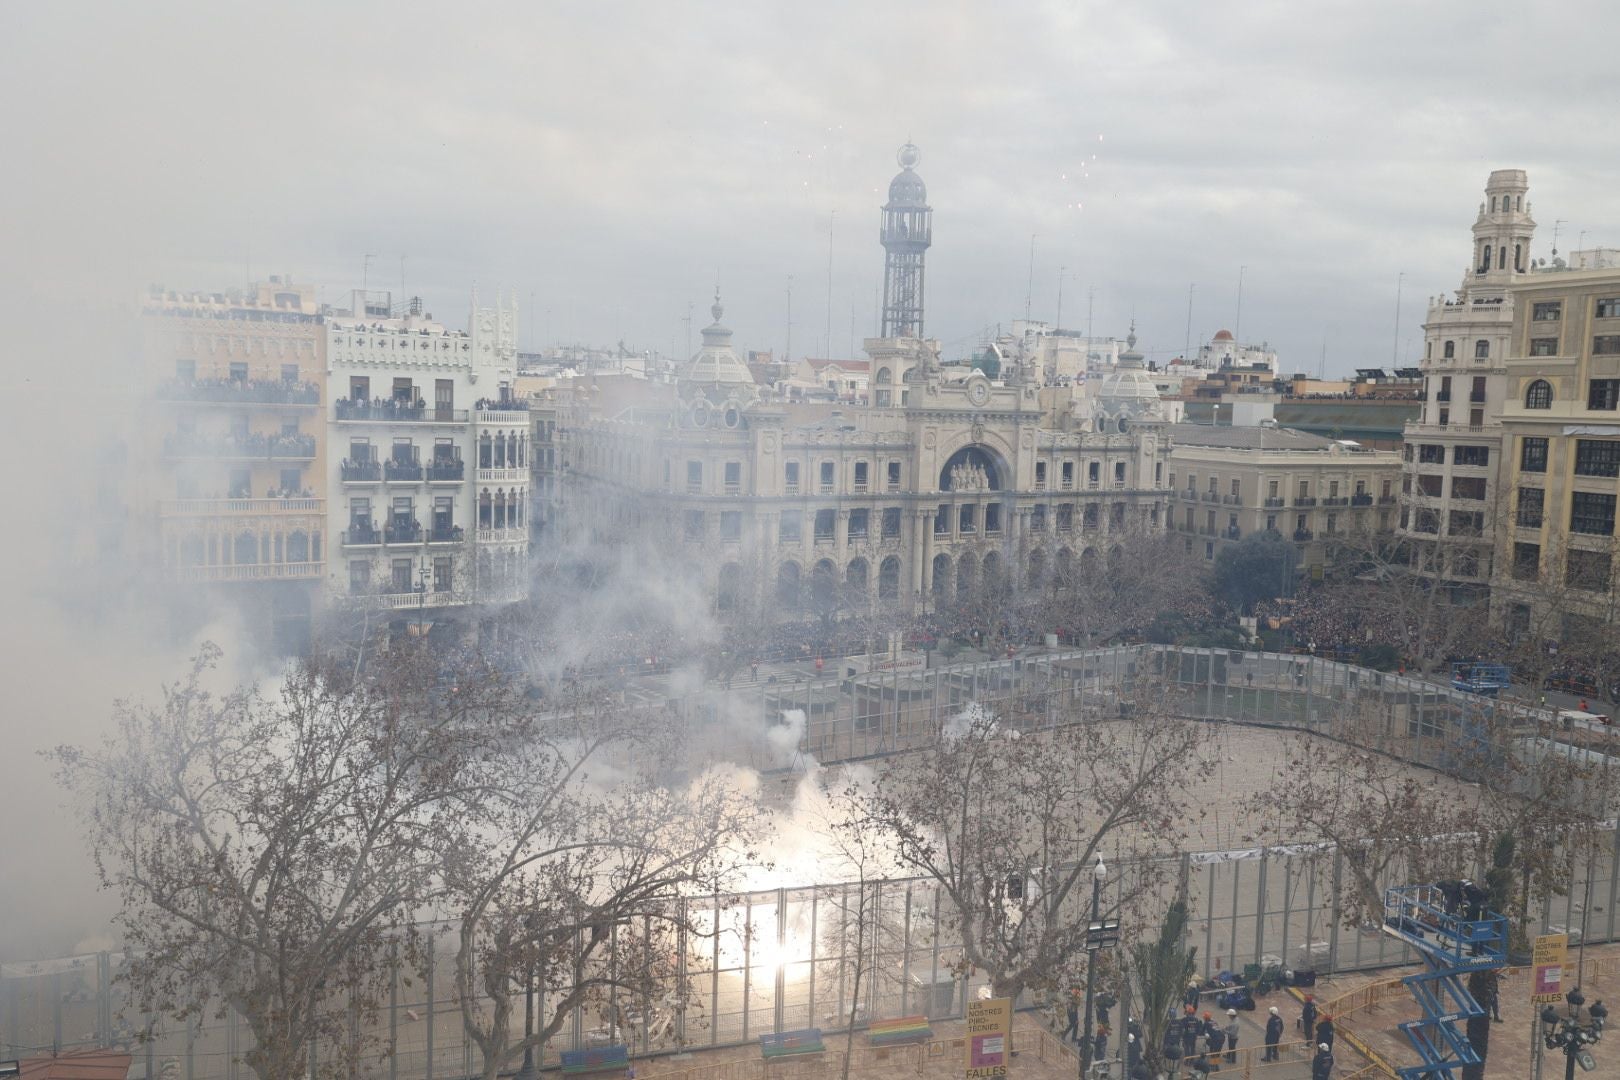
(1099, 935)
(528, 1071)
(1569, 1034)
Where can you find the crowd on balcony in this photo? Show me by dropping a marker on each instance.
(267, 391)
(289, 493)
(500, 404)
(232, 444)
(380, 408)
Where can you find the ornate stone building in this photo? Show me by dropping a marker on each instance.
(941, 478)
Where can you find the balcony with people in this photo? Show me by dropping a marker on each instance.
(502, 410)
(364, 471)
(402, 470)
(400, 410)
(361, 533)
(249, 444)
(239, 391)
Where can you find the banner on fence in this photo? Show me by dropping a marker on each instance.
(989, 1030)
(1547, 961)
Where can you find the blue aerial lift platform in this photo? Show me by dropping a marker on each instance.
(1452, 947)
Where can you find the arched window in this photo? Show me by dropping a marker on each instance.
(1538, 395)
(1485, 263)
(500, 450)
(1501, 257)
(1518, 202)
(1518, 258)
(1482, 349)
(1450, 349)
(1493, 204)
(485, 445)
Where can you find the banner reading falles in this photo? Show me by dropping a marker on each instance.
(1548, 957)
(989, 1035)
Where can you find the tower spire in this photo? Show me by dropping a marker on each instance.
(907, 231)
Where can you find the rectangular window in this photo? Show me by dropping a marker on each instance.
(289, 372)
(1271, 489)
(1597, 457)
(894, 476)
(792, 477)
(967, 519)
(826, 522)
(694, 525)
(1478, 456)
(733, 477)
(400, 576)
(1037, 519)
(1526, 562)
(1606, 345)
(1532, 454)
(1040, 474)
(1591, 513)
(1090, 517)
(1544, 346)
(1531, 503)
(1476, 392)
(1466, 523)
(1431, 454)
(891, 522)
(359, 576)
(405, 391)
(694, 476)
(1608, 307)
(1430, 485)
(826, 476)
(1237, 489)
(291, 481)
(857, 524)
(1116, 515)
(1065, 518)
(404, 452)
(942, 520)
(860, 476)
(1547, 311)
(441, 574)
(1445, 389)
(1332, 524)
(1467, 487)
(992, 517)
(1603, 393)
(359, 389)
(239, 372)
(731, 525)
(1068, 474)
(792, 526)
(1587, 570)
(1119, 474)
(1093, 473)
(359, 513)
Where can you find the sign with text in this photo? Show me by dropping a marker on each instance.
(1547, 961)
(989, 1032)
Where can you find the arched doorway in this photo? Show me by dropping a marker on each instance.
(787, 586)
(1088, 564)
(967, 573)
(889, 578)
(855, 577)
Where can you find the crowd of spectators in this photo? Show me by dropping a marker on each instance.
(279, 444)
(269, 391)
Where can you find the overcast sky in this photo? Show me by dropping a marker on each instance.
(613, 161)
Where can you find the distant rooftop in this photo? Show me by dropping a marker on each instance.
(1246, 438)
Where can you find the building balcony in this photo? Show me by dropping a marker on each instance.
(388, 411)
(446, 534)
(402, 472)
(1212, 497)
(1305, 500)
(1273, 502)
(509, 535)
(252, 446)
(1386, 500)
(1477, 397)
(239, 392)
(501, 412)
(240, 507)
(521, 476)
(1335, 500)
(361, 536)
(1442, 396)
(1361, 500)
(1232, 500)
(397, 600)
(1233, 533)
(1302, 535)
(292, 571)
(360, 472)
(403, 531)
(446, 472)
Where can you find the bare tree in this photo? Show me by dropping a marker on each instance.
(1009, 825)
(267, 853)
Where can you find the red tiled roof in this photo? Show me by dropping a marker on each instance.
(77, 1065)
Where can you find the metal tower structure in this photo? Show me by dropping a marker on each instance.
(1452, 947)
(907, 230)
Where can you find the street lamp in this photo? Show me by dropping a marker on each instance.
(528, 1071)
(1099, 935)
(1568, 1034)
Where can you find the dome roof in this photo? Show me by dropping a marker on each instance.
(1223, 335)
(716, 362)
(907, 188)
(1128, 384)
